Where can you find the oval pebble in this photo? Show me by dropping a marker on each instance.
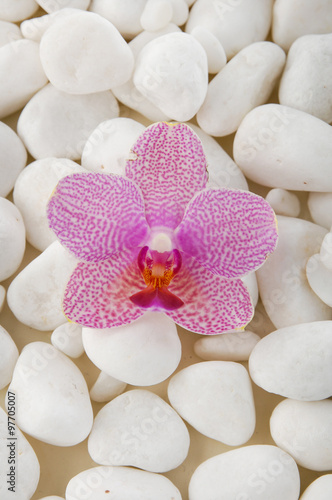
(283, 202)
(321, 488)
(320, 207)
(295, 361)
(9, 32)
(215, 53)
(68, 339)
(320, 279)
(123, 483)
(9, 356)
(144, 352)
(106, 388)
(234, 346)
(156, 15)
(124, 15)
(139, 429)
(18, 10)
(304, 430)
(12, 238)
(55, 5)
(228, 418)
(180, 11)
(13, 157)
(54, 404)
(326, 251)
(257, 472)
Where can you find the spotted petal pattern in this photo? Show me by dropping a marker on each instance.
(230, 232)
(169, 166)
(95, 215)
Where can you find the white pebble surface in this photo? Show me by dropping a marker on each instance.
(55, 5)
(234, 346)
(214, 50)
(18, 10)
(320, 207)
(124, 15)
(321, 488)
(106, 388)
(13, 157)
(156, 15)
(9, 356)
(68, 339)
(9, 32)
(12, 238)
(320, 278)
(283, 202)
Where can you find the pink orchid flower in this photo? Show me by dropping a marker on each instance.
(158, 239)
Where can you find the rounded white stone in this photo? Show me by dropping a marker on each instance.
(306, 83)
(320, 279)
(20, 62)
(229, 417)
(65, 123)
(171, 72)
(320, 207)
(283, 202)
(234, 346)
(12, 238)
(106, 388)
(18, 10)
(145, 352)
(9, 32)
(85, 54)
(53, 398)
(278, 146)
(2, 297)
(124, 15)
(13, 157)
(68, 339)
(35, 295)
(123, 483)
(294, 19)
(283, 286)
(304, 430)
(9, 356)
(215, 53)
(26, 462)
(33, 189)
(321, 488)
(108, 147)
(139, 429)
(54, 5)
(250, 282)
(180, 11)
(244, 83)
(156, 15)
(34, 28)
(257, 472)
(295, 361)
(326, 251)
(235, 23)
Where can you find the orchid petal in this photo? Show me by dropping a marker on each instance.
(212, 305)
(170, 167)
(230, 232)
(95, 215)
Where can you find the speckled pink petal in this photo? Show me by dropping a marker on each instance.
(97, 294)
(170, 167)
(212, 304)
(230, 232)
(95, 215)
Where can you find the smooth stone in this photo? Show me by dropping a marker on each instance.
(106, 388)
(66, 122)
(320, 489)
(18, 10)
(68, 339)
(108, 147)
(9, 356)
(278, 146)
(34, 28)
(2, 297)
(139, 429)
(295, 362)
(180, 12)
(306, 81)
(32, 191)
(250, 282)
(124, 483)
(320, 207)
(124, 15)
(284, 289)
(55, 5)
(325, 253)
(53, 398)
(304, 430)
(13, 157)
(171, 72)
(243, 84)
(9, 32)
(320, 279)
(215, 53)
(85, 54)
(12, 238)
(35, 295)
(235, 23)
(283, 202)
(26, 463)
(294, 19)
(145, 352)
(229, 417)
(157, 14)
(257, 472)
(234, 346)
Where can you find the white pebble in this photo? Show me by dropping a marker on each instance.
(9, 32)
(215, 397)
(66, 122)
(320, 279)
(85, 54)
(295, 361)
(250, 282)
(12, 239)
(320, 207)
(283, 202)
(18, 10)
(139, 429)
(53, 398)
(180, 11)
(304, 430)
(106, 388)
(283, 286)
(124, 15)
(171, 72)
(243, 84)
(108, 147)
(215, 53)
(2, 297)
(156, 15)
(320, 488)
(55, 5)
(35, 295)
(33, 189)
(234, 346)
(9, 356)
(145, 352)
(13, 157)
(123, 483)
(20, 62)
(68, 339)
(52, 497)
(253, 472)
(326, 251)
(278, 146)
